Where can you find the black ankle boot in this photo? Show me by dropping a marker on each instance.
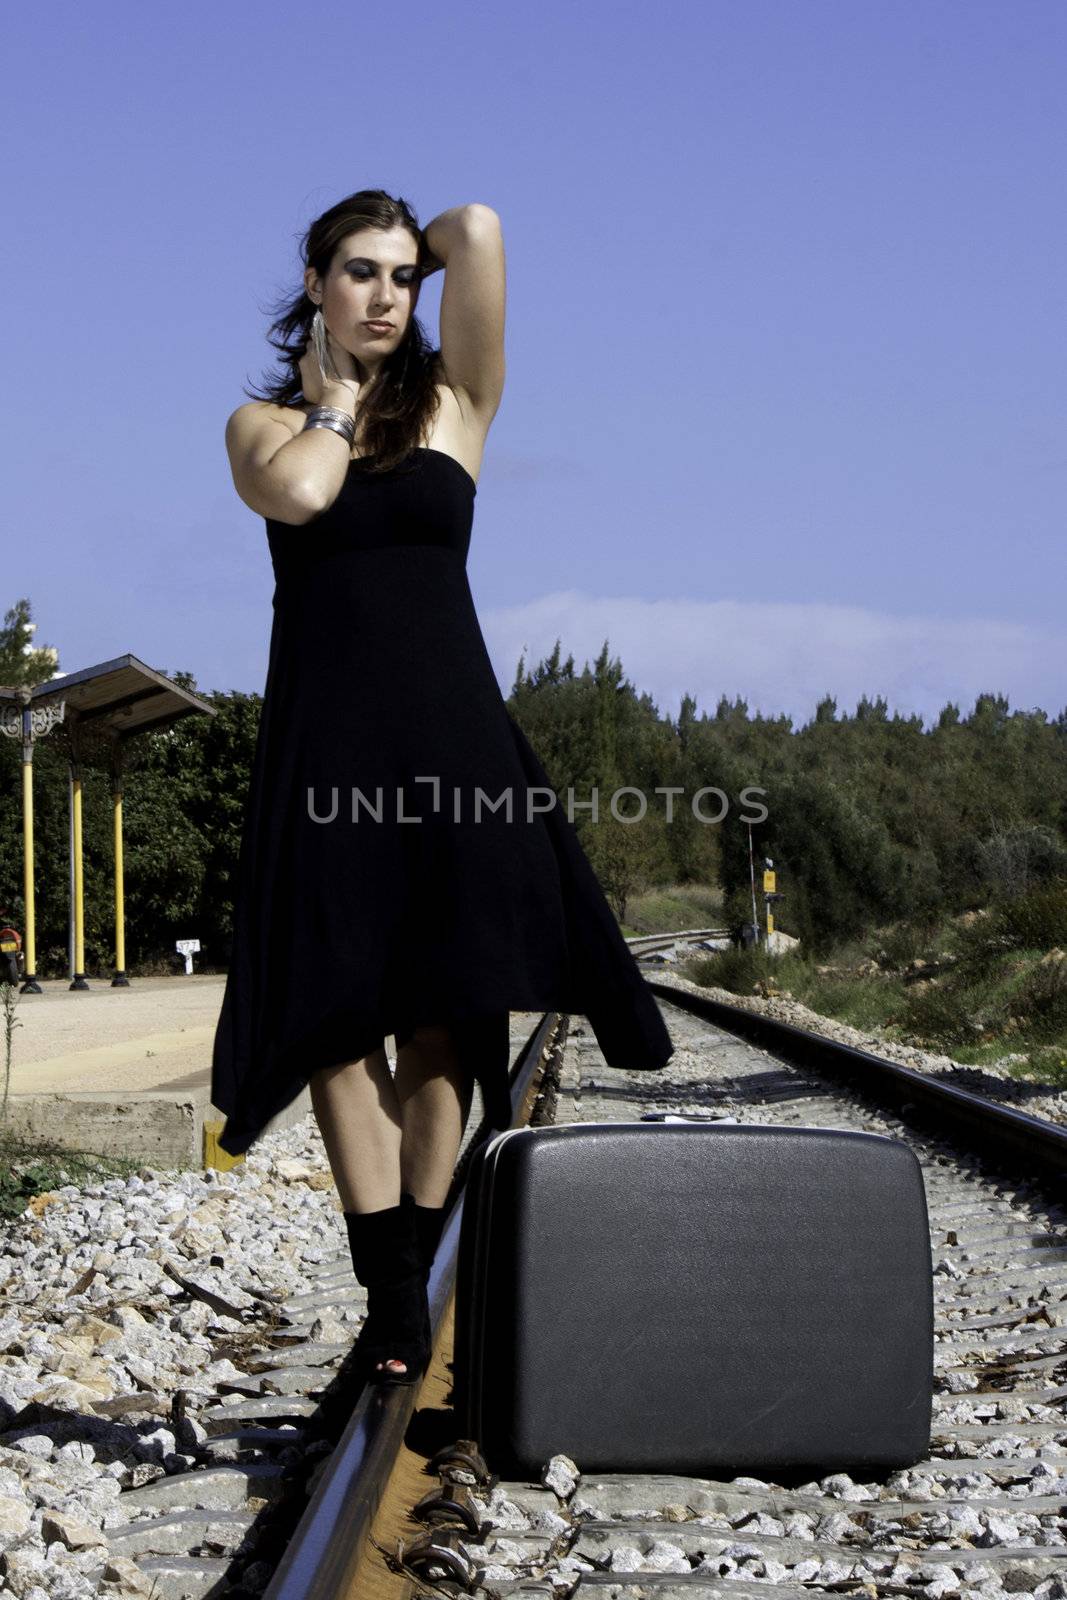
(429, 1225)
(388, 1263)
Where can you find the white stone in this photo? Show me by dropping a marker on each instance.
(561, 1475)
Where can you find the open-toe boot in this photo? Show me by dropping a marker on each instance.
(388, 1263)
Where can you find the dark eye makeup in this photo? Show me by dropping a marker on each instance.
(358, 270)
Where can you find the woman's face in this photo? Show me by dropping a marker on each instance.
(373, 275)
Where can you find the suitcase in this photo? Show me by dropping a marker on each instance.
(694, 1298)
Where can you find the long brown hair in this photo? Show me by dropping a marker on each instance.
(398, 406)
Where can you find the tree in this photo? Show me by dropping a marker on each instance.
(22, 665)
(627, 856)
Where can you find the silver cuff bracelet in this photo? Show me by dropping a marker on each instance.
(334, 418)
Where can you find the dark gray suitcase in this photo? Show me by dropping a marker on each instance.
(694, 1298)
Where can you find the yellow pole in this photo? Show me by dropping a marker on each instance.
(769, 881)
(120, 980)
(34, 723)
(27, 867)
(78, 981)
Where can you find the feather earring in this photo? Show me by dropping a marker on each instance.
(322, 353)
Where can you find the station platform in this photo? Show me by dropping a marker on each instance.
(127, 1071)
(124, 1071)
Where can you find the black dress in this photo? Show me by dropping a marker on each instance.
(361, 914)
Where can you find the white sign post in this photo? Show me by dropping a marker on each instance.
(186, 947)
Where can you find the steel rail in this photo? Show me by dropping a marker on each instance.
(322, 1558)
(1036, 1145)
(324, 1555)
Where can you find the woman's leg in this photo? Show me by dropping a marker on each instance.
(434, 1089)
(359, 1118)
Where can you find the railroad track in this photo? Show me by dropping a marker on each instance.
(987, 1513)
(649, 943)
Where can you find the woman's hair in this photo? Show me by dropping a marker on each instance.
(396, 408)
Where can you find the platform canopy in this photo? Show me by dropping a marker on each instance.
(109, 703)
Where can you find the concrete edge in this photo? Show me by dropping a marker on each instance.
(167, 1129)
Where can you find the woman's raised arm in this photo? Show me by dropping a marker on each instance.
(467, 240)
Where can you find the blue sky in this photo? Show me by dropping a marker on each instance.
(785, 407)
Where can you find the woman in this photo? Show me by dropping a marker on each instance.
(369, 867)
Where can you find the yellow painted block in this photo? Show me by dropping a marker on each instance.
(214, 1155)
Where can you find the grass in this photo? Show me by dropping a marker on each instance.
(994, 984)
(666, 910)
(862, 1002)
(31, 1166)
(1049, 1065)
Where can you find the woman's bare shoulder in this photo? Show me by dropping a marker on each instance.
(253, 413)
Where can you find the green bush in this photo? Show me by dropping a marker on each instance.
(1041, 999)
(862, 1002)
(941, 1016)
(1045, 1064)
(981, 946)
(1034, 921)
(903, 942)
(735, 968)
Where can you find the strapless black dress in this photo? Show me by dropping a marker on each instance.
(375, 890)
